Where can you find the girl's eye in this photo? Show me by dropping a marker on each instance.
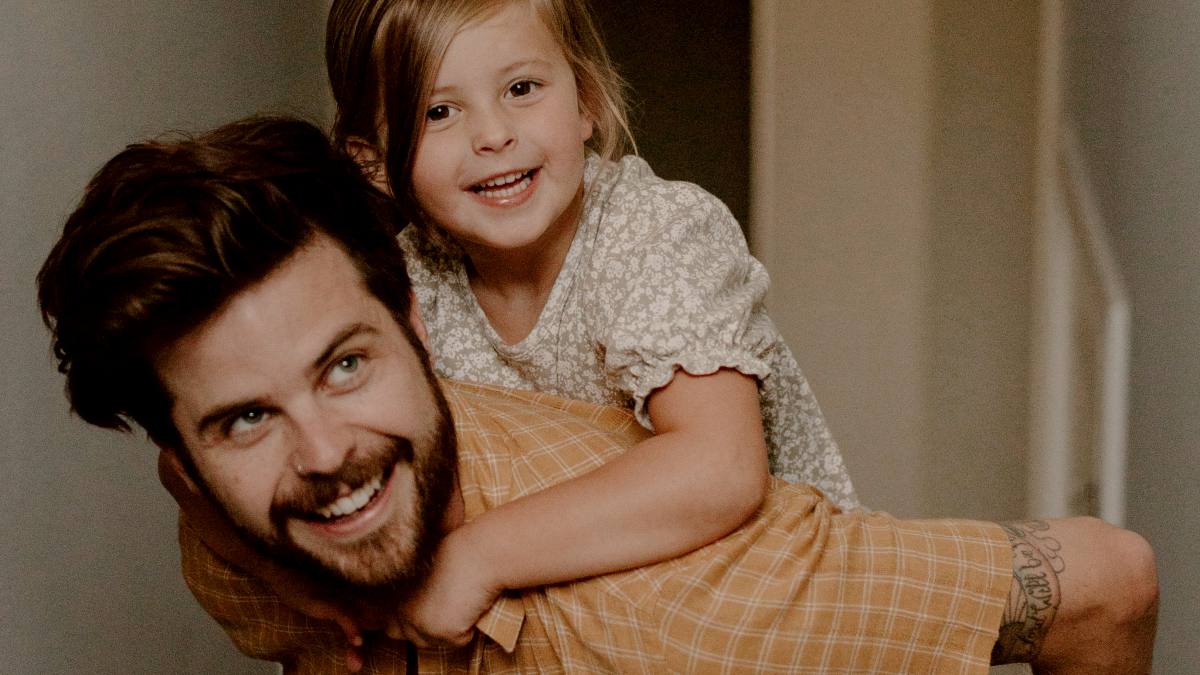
(438, 113)
(247, 421)
(523, 88)
(344, 370)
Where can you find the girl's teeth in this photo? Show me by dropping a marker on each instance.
(507, 178)
(508, 191)
(351, 502)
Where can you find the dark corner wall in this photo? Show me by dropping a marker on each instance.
(688, 66)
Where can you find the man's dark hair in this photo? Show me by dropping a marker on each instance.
(169, 231)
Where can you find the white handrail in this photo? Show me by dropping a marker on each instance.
(1069, 235)
(1113, 348)
(1048, 465)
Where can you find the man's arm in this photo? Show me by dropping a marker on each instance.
(1084, 598)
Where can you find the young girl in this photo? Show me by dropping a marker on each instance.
(541, 261)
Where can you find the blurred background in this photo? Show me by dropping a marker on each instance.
(982, 222)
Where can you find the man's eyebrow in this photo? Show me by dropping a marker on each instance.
(219, 413)
(351, 331)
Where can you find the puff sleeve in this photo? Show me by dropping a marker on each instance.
(685, 293)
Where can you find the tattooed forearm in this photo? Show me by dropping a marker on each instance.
(1034, 596)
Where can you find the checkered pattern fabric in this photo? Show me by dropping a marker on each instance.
(800, 588)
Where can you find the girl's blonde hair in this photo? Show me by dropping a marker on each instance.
(383, 56)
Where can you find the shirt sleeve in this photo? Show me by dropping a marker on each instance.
(684, 293)
(259, 624)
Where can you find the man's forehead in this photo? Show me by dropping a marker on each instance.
(273, 329)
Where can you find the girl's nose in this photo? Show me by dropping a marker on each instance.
(322, 442)
(493, 132)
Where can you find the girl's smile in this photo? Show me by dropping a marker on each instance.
(510, 189)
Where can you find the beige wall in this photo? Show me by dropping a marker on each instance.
(89, 579)
(893, 166)
(840, 219)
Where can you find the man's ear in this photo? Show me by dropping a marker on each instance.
(370, 160)
(173, 475)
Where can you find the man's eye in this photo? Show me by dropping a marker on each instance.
(247, 421)
(523, 88)
(438, 113)
(344, 370)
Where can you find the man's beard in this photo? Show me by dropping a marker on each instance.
(398, 556)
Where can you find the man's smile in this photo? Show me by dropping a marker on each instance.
(360, 513)
(352, 502)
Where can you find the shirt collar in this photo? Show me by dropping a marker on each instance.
(502, 623)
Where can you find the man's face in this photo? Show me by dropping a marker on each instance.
(315, 424)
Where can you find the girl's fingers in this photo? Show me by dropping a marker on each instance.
(349, 628)
(403, 630)
(461, 639)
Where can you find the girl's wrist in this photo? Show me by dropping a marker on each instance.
(470, 545)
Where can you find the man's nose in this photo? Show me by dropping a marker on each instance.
(322, 441)
(492, 130)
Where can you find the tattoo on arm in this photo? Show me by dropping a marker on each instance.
(1034, 597)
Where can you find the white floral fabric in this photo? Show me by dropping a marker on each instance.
(658, 277)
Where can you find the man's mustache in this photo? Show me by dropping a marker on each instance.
(319, 490)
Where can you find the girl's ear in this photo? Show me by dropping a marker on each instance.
(417, 325)
(414, 318)
(370, 160)
(586, 126)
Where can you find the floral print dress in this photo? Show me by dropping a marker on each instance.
(657, 278)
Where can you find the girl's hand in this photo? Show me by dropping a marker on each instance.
(444, 610)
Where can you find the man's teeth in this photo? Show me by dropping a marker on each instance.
(352, 502)
(515, 183)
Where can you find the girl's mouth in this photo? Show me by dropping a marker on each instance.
(506, 186)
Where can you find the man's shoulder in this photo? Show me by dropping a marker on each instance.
(490, 407)
(512, 443)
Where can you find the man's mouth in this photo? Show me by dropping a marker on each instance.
(347, 506)
(353, 502)
(505, 186)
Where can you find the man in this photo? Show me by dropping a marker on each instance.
(242, 299)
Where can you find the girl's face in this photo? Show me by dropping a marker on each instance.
(500, 163)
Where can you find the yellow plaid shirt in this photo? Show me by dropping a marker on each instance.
(800, 588)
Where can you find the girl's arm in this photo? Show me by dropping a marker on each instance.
(697, 479)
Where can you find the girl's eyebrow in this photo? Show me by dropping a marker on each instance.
(503, 72)
(524, 63)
